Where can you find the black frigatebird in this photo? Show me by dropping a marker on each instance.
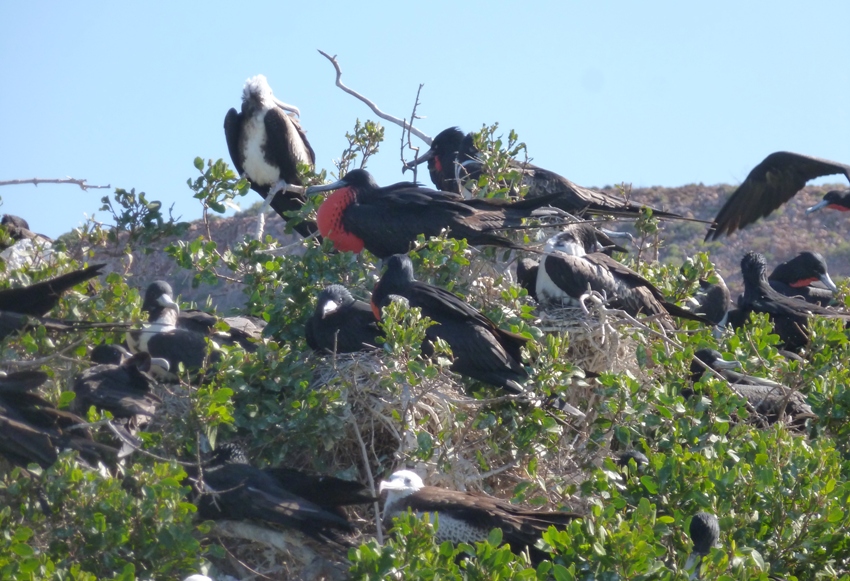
(481, 350)
(386, 221)
(32, 429)
(119, 384)
(19, 229)
(453, 158)
(244, 329)
(712, 300)
(834, 200)
(341, 324)
(39, 298)
(566, 272)
(228, 487)
(793, 277)
(467, 517)
(266, 144)
(789, 315)
(772, 183)
(771, 400)
(704, 531)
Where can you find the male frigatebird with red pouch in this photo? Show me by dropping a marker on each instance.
(386, 221)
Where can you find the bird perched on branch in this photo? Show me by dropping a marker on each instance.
(772, 183)
(466, 517)
(771, 400)
(481, 350)
(453, 159)
(386, 221)
(793, 278)
(566, 273)
(704, 531)
(341, 324)
(266, 143)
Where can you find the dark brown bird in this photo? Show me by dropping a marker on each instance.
(387, 221)
(341, 324)
(267, 144)
(466, 517)
(769, 185)
(793, 278)
(39, 298)
(453, 159)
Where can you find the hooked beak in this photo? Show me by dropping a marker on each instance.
(427, 156)
(161, 363)
(618, 235)
(330, 307)
(723, 364)
(816, 207)
(390, 485)
(824, 278)
(167, 302)
(289, 108)
(326, 188)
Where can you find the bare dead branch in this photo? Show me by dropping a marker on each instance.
(410, 146)
(35, 181)
(401, 123)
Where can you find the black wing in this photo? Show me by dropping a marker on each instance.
(233, 135)
(769, 185)
(37, 299)
(284, 138)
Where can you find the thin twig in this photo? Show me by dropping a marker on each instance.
(44, 360)
(401, 123)
(410, 146)
(365, 452)
(35, 181)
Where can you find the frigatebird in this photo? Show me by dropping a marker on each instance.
(834, 200)
(772, 183)
(793, 278)
(467, 517)
(566, 273)
(771, 400)
(266, 143)
(39, 298)
(789, 315)
(386, 221)
(453, 158)
(19, 229)
(704, 531)
(121, 385)
(341, 324)
(228, 487)
(32, 429)
(713, 300)
(481, 350)
(245, 330)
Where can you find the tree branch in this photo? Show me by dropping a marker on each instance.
(35, 181)
(401, 123)
(410, 146)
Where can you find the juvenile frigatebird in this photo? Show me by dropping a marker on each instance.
(228, 487)
(713, 300)
(771, 400)
(566, 273)
(467, 517)
(266, 144)
(386, 221)
(789, 315)
(793, 278)
(32, 429)
(481, 350)
(245, 330)
(453, 159)
(119, 384)
(772, 183)
(704, 531)
(341, 324)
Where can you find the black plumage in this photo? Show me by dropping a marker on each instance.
(266, 143)
(793, 278)
(481, 350)
(466, 517)
(769, 185)
(453, 159)
(341, 324)
(387, 221)
(39, 298)
(712, 300)
(704, 531)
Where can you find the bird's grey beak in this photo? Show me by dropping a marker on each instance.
(723, 364)
(618, 235)
(161, 363)
(167, 302)
(290, 108)
(428, 155)
(816, 207)
(330, 307)
(824, 278)
(326, 187)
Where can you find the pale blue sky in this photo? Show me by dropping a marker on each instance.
(657, 93)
